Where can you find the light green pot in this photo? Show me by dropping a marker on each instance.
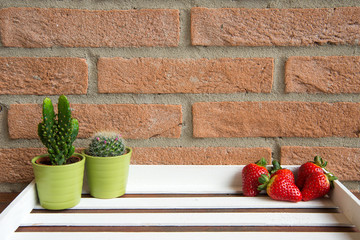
(59, 186)
(107, 176)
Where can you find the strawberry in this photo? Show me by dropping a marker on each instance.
(250, 176)
(317, 184)
(280, 188)
(278, 170)
(309, 167)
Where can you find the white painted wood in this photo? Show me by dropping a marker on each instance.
(186, 235)
(347, 202)
(184, 179)
(158, 179)
(187, 219)
(196, 203)
(12, 216)
(187, 178)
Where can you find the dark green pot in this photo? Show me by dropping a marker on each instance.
(107, 176)
(59, 186)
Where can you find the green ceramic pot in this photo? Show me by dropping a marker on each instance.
(59, 186)
(107, 176)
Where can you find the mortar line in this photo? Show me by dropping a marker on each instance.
(183, 51)
(93, 4)
(194, 142)
(178, 98)
(92, 60)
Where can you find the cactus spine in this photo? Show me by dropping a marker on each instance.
(58, 132)
(106, 144)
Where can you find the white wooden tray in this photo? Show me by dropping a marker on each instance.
(184, 202)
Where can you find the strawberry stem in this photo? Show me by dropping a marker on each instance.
(331, 177)
(264, 180)
(262, 162)
(320, 162)
(276, 166)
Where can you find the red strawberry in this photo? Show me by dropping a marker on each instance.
(278, 170)
(250, 176)
(280, 188)
(307, 168)
(317, 184)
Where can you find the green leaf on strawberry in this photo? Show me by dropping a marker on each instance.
(250, 175)
(278, 170)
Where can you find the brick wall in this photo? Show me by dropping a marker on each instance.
(186, 82)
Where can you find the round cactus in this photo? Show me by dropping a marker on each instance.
(106, 144)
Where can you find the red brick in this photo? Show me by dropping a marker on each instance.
(133, 121)
(43, 76)
(276, 119)
(49, 27)
(275, 27)
(199, 155)
(342, 162)
(335, 74)
(161, 75)
(15, 164)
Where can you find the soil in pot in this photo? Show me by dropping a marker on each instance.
(47, 161)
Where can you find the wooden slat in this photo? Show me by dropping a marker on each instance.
(7, 197)
(206, 212)
(356, 194)
(200, 210)
(184, 179)
(187, 219)
(196, 203)
(348, 203)
(12, 216)
(186, 235)
(218, 179)
(185, 229)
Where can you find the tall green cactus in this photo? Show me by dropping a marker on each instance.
(58, 131)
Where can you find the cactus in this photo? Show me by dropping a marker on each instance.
(106, 144)
(58, 131)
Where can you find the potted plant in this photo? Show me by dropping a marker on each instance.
(58, 174)
(107, 165)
